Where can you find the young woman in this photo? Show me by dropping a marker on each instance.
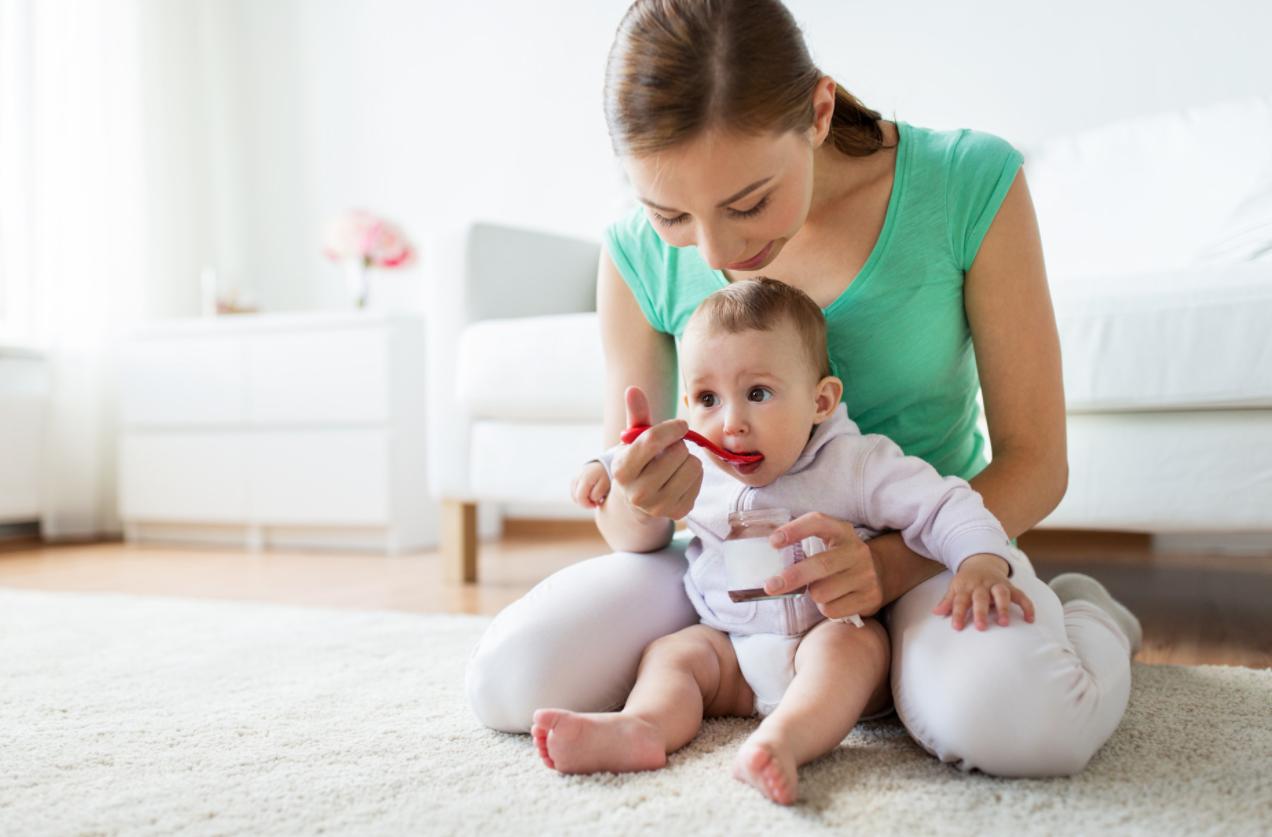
(923, 251)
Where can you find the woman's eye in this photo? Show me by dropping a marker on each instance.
(707, 399)
(752, 212)
(671, 222)
(759, 394)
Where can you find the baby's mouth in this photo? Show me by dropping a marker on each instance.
(732, 456)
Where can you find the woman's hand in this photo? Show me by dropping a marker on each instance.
(980, 580)
(656, 473)
(590, 488)
(843, 580)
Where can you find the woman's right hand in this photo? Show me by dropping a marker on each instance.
(656, 473)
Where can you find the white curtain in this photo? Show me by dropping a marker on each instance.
(91, 215)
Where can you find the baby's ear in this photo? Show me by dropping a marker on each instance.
(830, 390)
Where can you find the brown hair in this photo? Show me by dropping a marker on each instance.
(678, 67)
(763, 304)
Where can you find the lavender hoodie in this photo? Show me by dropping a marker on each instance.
(863, 479)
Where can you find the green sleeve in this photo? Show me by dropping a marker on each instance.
(981, 170)
(635, 249)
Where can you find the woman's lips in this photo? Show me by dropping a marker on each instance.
(753, 262)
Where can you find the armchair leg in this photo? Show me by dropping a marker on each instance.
(459, 541)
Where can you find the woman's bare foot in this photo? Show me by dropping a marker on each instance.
(577, 742)
(770, 768)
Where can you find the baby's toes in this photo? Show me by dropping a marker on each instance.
(540, 735)
(778, 784)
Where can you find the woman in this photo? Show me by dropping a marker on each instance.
(919, 245)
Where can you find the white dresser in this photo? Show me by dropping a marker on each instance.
(24, 396)
(293, 430)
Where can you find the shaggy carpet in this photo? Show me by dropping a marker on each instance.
(133, 715)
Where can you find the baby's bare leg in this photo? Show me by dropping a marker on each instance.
(841, 671)
(682, 678)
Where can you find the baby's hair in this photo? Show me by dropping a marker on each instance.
(762, 304)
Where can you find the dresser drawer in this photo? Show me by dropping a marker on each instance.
(339, 376)
(185, 477)
(333, 477)
(185, 381)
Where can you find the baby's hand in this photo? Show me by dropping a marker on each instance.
(980, 581)
(591, 486)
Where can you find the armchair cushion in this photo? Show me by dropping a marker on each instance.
(532, 369)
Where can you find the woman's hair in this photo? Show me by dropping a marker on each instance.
(678, 67)
(764, 304)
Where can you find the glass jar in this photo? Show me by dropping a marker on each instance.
(749, 559)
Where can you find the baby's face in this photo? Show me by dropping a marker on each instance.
(753, 392)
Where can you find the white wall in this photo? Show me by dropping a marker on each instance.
(433, 113)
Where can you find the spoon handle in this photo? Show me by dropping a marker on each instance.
(630, 435)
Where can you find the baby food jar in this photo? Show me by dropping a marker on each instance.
(749, 559)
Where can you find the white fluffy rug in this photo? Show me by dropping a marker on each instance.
(132, 715)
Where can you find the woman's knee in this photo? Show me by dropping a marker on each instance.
(575, 639)
(999, 701)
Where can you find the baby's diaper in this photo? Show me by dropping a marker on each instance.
(768, 666)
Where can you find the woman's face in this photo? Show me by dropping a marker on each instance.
(739, 199)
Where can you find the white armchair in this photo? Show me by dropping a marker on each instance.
(515, 377)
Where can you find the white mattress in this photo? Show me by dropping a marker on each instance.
(1153, 472)
(1169, 472)
(532, 369)
(1199, 338)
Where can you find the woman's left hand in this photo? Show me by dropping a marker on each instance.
(844, 580)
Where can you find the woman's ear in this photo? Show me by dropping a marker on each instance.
(823, 110)
(830, 390)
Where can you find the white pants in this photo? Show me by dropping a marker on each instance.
(1027, 700)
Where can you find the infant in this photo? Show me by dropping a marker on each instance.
(756, 379)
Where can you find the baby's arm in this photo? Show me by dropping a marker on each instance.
(942, 518)
(945, 519)
(590, 488)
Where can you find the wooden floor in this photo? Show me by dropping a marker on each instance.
(1195, 608)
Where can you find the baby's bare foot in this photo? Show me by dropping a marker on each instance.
(770, 768)
(576, 742)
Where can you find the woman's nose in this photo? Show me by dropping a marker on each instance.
(716, 248)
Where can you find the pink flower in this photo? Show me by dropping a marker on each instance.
(358, 234)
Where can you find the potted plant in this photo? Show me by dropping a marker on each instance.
(361, 242)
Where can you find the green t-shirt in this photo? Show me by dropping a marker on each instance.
(898, 335)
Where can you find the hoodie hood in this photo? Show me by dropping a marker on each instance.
(838, 424)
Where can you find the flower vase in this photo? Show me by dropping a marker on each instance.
(356, 282)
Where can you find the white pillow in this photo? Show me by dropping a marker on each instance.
(1247, 234)
(1148, 193)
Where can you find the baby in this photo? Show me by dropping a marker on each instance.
(756, 378)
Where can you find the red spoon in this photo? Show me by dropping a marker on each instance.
(630, 434)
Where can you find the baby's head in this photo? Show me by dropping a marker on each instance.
(756, 374)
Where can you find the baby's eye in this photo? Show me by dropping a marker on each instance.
(759, 394)
(707, 399)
